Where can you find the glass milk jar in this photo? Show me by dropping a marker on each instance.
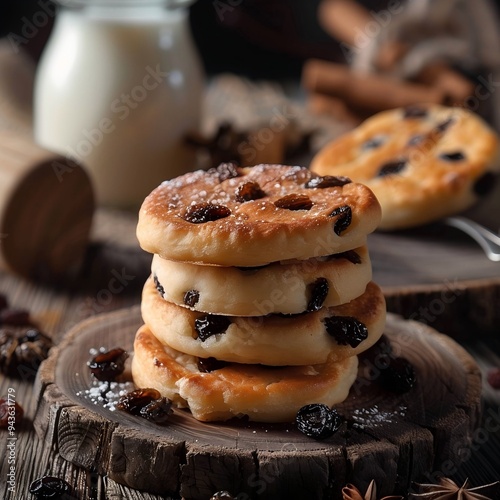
(118, 86)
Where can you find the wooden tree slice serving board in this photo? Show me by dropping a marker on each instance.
(394, 439)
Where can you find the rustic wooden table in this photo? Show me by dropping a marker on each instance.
(114, 255)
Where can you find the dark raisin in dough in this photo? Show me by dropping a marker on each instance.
(392, 167)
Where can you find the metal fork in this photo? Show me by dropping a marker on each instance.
(487, 239)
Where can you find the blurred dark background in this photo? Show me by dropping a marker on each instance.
(256, 38)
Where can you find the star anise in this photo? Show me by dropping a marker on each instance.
(350, 492)
(449, 490)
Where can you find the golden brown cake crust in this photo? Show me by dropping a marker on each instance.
(267, 228)
(441, 159)
(264, 394)
(270, 340)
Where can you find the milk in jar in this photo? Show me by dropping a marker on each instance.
(118, 87)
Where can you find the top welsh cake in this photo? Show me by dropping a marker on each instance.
(231, 216)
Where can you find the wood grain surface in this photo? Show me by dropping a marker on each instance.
(394, 439)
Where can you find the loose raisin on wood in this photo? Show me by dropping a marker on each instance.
(191, 298)
(22, 351)
(134, 401)
(318, 421)
(344, 214)
(327, 181)
(207, 365)
(392, 167)
(399, 375)
(11, 412)
(294, 202)
(485, 184)
(158, 410)
(249, 191)
(49, 487)
(206, 212)
(455, 156)
(106, 366)
(346, 330)
(318, 292)
(211, 324)
(146, 403)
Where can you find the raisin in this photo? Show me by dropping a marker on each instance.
(21, 352)
(327, 181)
(159, 287)
(225, 171)
(211, 325)
(207, 365)
(344, 221)
(414, 112)
(346, 330)
(380, 353)
(455, 156)
(443, 126)
(49, 487)
(485, 184)
(206, 212)
(15, 317)
(391, 167)
(249, 191)
(222, 495)
(398, 376)
(9, 408)
(191, 298)
(318, 421)
(318, 291)
(373, 143)
(106, 366)
(415, 140)
(134, 401)
(294, 202)
(158, 410)
(494, 378)
(350, 255)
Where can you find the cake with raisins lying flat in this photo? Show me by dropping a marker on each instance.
(260, 296)
(423, 162)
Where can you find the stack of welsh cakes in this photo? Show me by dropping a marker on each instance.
(260, 296)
